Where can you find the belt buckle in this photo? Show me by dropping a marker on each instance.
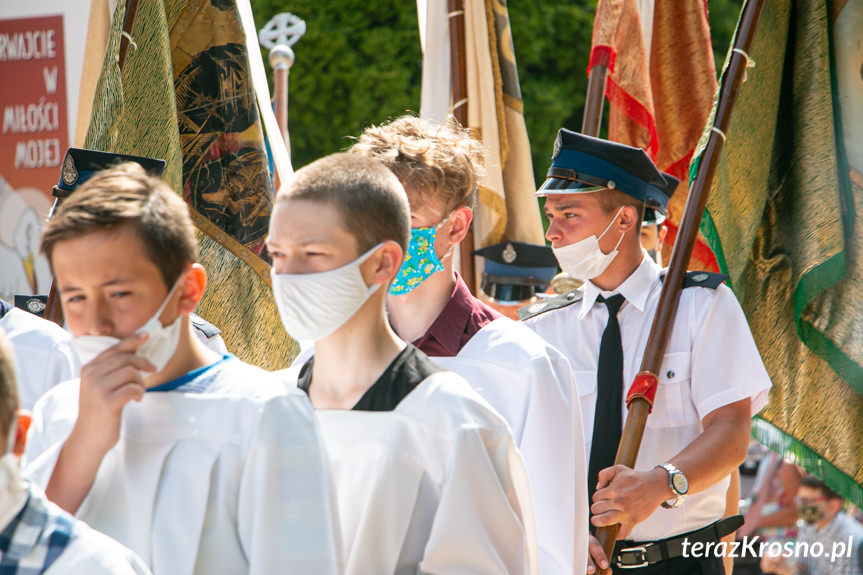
(641, 549)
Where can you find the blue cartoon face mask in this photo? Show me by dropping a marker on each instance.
(420, 262)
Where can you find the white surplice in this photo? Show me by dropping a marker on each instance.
(434, 486)
(224, 474)
(531, 384)
(43, 354)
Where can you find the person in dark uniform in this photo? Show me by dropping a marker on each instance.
(712, 378)
(653, 233)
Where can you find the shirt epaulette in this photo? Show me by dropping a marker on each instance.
(204, 326)
(550, 303)
(700, 279)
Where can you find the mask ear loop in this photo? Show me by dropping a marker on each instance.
(165, 302)
(617, 245)
(359, 261)
(442, 222)
(611, 223)
(449, 252)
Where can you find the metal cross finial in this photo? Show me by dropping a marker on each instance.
(285, 29)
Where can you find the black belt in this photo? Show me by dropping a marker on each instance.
(632, 555)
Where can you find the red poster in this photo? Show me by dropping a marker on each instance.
(33, 140)
(34, 133)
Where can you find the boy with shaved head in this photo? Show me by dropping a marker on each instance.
(427, 475)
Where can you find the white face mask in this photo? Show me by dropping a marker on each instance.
(158, 349)
(584, 259)
(313, 306)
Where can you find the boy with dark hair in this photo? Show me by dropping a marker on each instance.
(523, 378)
(199, 462)
(36, 536)
(427, 476)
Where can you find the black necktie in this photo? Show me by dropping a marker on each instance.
(607, 421)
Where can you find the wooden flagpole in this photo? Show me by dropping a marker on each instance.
(638, 403)
(458, 80)
(53, 309)
(594, 100)
(281, 60)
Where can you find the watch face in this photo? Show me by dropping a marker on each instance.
(680, 483)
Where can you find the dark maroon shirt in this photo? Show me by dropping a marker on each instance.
(461, 318)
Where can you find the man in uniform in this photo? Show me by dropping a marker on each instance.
(712, 378)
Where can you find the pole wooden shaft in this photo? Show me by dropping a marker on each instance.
(627, 452)
(458, 67)
(280, 80)
(458, 78)
(593, 103)
(128, 24)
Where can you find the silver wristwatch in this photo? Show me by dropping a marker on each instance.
(678, 483)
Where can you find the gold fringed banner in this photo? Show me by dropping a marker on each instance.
(254, 324)
(186, 96)
(784, 219)
(506, 208)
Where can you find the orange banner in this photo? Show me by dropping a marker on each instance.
(660, 89)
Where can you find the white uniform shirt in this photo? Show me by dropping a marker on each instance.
(43, 354)
(434, 486)
(224, 474)
(711, 361)
(530, 383)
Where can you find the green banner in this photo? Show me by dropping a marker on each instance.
(781, 220)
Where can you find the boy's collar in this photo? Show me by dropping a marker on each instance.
(634, 289)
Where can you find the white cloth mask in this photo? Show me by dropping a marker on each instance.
(584, 259)
(313, 306)
(158, 349)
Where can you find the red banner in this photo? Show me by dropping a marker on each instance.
(34, 133)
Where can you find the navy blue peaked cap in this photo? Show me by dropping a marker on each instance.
(583, 164)
(652, 218)
(79, 165)
(516, 271)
